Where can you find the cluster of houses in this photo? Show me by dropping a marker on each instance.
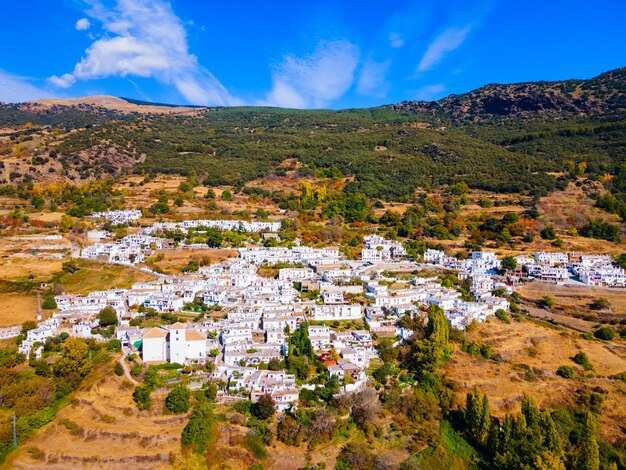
(314, 288)
(223, 225)
(119, 217)
(134, 248)
(378, 249)
(481, 262)
(591, 269)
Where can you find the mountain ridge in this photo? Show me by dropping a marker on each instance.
(501, 99)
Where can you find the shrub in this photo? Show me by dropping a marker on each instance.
(548, 233)
(600, 304)
(141, 395)
(567, 372)
(198, 432)
(49, 303)
(547, 302)
(177, 401)
(263, 408)
(582, 359)
(114, 345)
(503, 316)
(605, 333)
(136, 369)
(118, 369)
(107, 317)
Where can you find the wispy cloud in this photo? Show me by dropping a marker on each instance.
(145, 38)
(446, 42)
(396, 40)
(314, 80)
(373, 79)
(16, 89)
(430, 92)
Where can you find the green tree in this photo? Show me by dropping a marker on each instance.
(66, 223)
(74, 363)
(548, 233)
(142, 398)
(477, 416)
(509, 263)
(49, 303)
(589, 452)
(107, 317)
(118, 369)
(198, 432)
(438, 333)
(567, 372)
(264, 408)
(177, 401)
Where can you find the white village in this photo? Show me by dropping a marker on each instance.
(245, 319)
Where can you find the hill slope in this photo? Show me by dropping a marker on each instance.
(498, 137)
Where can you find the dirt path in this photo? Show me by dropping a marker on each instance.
(122, 361)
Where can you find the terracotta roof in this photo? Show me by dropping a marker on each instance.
(178, 326)
(193, 335)
(155, 333)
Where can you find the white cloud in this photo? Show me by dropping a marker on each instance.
(373, 79)
(15, 89)
(315, 80)
(446, 42)
(395, 40)
(83, 24)
(145, 38)
(430, 92)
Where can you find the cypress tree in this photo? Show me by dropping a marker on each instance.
(552, 440)
(531, 412)
(589, 454)
(477, 417)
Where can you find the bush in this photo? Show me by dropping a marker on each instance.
(114, 345)
(118, 369)
(503, 316)
(263, 408)
(49, 303)
(567, 372)
(198, 432)
(141, 395)
(107, 317)
(600, 304)
(582, 359)
(548, 233)
(136, 369)
(605, 333)
(547, 302)
(177, 401)
(601, 230)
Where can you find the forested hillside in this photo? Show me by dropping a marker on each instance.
(504, 138)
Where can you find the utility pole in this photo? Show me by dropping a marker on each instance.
(14, 431)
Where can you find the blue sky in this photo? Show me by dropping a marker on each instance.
(322, 54)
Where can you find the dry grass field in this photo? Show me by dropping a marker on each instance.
(174, 260)
(576, 299)
(99, 276)
(16, 308)
(527, 357)
(29, 265)
(573, 207)
(103, 429)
